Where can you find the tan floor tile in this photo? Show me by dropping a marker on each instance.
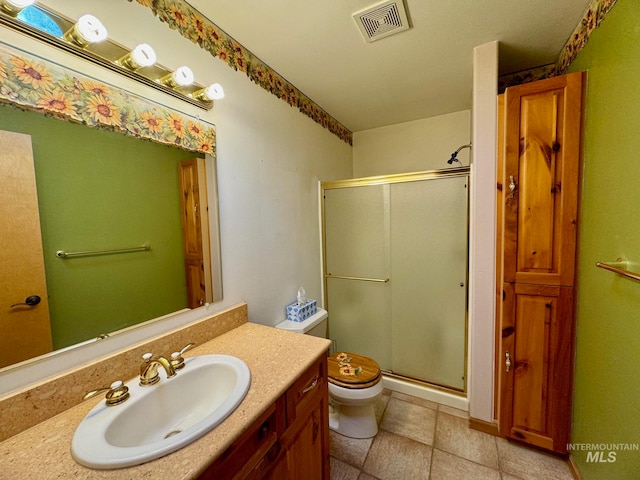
(415, 400)
(364, 476)
(380, 406)
(350, 450)
(506, 476)
(530, 464)
(453, 435)
(453, 411)
(393, 457)
(343, 471)
(445, 466)
(409, 420)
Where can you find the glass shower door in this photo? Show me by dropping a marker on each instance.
(396, 273)
(356, 228)
(428, 280)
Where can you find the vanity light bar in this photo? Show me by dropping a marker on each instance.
(88, 39)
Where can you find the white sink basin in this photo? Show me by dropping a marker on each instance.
(162, 418)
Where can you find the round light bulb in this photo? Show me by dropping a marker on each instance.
(183, 76)
(143, 55)
(90, 29)
(15, 6)
(20, 4)
(214, 91)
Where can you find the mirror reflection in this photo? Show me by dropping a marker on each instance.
(96, 190)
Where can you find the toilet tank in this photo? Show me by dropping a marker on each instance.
(315, 325)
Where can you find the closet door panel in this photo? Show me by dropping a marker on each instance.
(535, 377)
(541, 180)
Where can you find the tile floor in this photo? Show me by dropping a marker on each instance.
(420, 439)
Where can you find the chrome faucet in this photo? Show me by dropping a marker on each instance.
(149, 369)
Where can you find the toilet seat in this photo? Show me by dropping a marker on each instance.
(352, 371)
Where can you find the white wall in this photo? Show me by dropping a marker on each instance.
(482, 236)
(270, 158)
(415, 146)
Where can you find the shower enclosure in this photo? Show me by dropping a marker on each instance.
(395, 266)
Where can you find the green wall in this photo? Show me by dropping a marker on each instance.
(607, 382)
(101, 190)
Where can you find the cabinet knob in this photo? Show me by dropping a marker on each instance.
(512, 186)
(264, 430)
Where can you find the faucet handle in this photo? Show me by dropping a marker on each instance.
(176, 357)
(117, 393)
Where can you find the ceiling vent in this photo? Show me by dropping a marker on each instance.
(381, 20)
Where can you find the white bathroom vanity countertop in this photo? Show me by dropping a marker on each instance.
(274, 357)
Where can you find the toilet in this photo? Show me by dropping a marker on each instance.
(354, 383)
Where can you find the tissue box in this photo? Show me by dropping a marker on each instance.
(299, 313)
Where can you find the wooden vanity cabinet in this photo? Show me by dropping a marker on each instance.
(538, 191)
(289, 441)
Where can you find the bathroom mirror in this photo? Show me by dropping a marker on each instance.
(90, 169)
(91, 198)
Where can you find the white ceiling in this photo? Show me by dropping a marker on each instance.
(422, 72)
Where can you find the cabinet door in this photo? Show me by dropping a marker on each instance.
(536, 355)
(302, 452)
(540, 193)
(305, 453)
(257, 443)
(306, 440)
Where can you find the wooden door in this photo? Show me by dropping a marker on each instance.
(26, 330)
(536, 348)
(195, 232)
(542, 149)
(538, 192)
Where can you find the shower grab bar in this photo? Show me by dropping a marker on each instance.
(362, 279)
(620, 267)
(90, 253)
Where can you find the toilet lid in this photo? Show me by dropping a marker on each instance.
(350, 370)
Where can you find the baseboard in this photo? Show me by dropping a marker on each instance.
(573, 466)
(483, 426)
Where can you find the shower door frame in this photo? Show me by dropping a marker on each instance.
(387, 180)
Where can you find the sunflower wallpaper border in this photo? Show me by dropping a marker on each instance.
(594, 15)
(45, 87)
(193, 25)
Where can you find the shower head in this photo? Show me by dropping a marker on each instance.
(454, 155)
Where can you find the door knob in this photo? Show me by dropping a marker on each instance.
(30, 301)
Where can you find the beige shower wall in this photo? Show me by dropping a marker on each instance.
(415, 146)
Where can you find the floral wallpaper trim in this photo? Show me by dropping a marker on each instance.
(593, 17)
(191, 24)
(526, 76)
(48, 88)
